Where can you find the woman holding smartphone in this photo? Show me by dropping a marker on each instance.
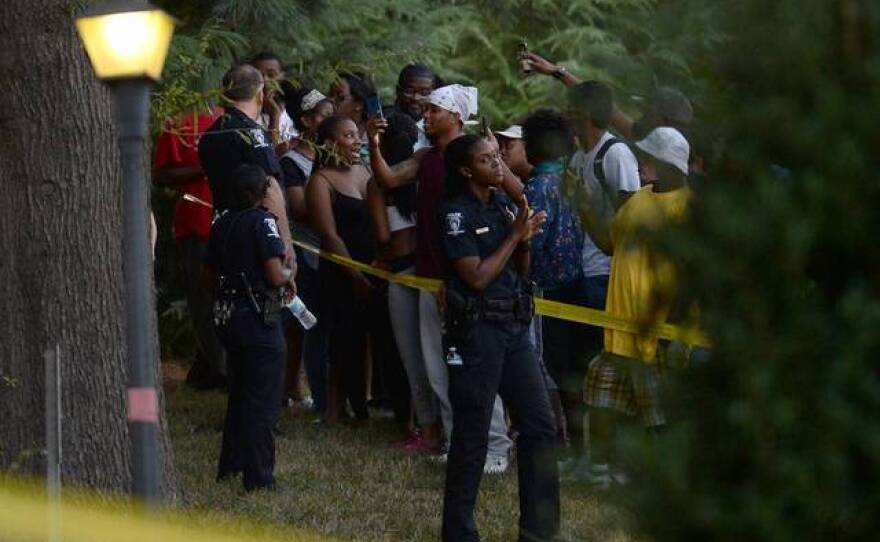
(393, 213)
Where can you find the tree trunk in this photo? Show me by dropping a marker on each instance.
(61, 243)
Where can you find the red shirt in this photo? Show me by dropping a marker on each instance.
(429, 250)
(178, 146)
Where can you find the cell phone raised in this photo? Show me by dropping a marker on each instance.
(374, 106)
(522, 54)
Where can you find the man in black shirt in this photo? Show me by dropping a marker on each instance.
(236, 138)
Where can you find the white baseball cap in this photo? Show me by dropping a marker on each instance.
(514, 131)
(667, 145)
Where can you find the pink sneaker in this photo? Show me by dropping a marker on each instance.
(423, 447)
(406, 443)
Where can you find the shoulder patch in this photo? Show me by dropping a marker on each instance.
(453, 223)
(272, 226)
(259, 140)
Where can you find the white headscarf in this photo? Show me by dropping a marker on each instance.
(456, 98)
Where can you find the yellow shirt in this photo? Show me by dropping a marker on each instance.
(642, 283)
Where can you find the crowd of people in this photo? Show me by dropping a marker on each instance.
(560, 205)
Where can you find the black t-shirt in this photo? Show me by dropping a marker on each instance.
(470, 227)
(234, 139)
(240, 241)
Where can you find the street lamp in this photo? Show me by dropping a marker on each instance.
(127, 41)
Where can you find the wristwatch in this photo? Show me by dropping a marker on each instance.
(560, 72)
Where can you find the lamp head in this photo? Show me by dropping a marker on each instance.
(126, 39)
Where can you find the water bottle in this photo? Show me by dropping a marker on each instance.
(453, 357)
(303, 314)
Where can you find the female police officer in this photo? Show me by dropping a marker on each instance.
(488, 310)
(243, 265)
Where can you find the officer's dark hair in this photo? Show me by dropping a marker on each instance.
(547, 136)
(249, 186)
(327, 133)
(459, 154)
(397, 145)
(595, 99)
(241, 82)
(360, 87)
(265, 55)
(416, 71)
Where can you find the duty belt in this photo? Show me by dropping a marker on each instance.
(469, 308)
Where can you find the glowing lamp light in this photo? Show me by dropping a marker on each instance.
(126, 39)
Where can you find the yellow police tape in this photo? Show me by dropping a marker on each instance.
(544, 307)
(26, 515)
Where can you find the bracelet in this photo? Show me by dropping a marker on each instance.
(560, 72)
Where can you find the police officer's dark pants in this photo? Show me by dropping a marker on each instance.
(255, 364)
(498, 358)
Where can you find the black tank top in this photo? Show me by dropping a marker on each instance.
(353, 226)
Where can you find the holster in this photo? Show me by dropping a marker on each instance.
(271, 305)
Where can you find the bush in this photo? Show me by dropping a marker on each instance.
(778, 437)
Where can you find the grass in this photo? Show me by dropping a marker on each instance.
(350, 485)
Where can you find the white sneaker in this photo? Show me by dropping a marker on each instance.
(496, 465)
(619, 477)
(598, 476)
(442, 458)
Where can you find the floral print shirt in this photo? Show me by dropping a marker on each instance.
(556, 259)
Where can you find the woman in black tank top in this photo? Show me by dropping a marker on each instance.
(336, 199)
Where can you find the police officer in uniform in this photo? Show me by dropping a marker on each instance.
(237, 138)
(488, 309)
(243, 265)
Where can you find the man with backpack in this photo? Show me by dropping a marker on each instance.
(609, 173)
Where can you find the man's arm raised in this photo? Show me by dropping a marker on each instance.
(621, 122)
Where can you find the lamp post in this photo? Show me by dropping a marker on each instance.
(127, 41)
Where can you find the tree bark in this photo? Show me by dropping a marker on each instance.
(61, 243)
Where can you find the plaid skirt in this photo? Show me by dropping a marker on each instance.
(626, 385)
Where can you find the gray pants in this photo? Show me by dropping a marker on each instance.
(403, 305)
(431, 331)
(210, 352)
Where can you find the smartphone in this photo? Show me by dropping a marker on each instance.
(484, 126)
(522, 54)
(374, 106)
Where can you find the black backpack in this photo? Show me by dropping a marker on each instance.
(599, 170)
(599, 161)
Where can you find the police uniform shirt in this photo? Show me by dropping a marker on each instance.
(469, 228)
(248, 238)
(234, 139)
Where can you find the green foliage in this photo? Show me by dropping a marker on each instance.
(630, 43)
(778, 437)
